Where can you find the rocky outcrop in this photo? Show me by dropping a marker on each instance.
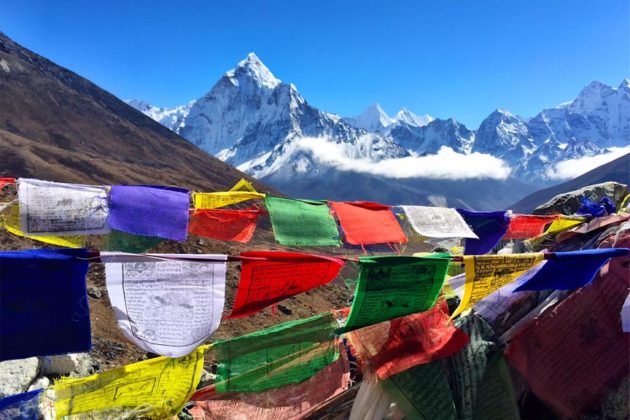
(568, 203)
(21, 375)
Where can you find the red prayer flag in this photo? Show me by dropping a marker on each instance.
(5, 181)
(281, 275)
(525, 226)
(366, 223)
(224, 225)
(394, 346)
(576, 354)
(295, 401)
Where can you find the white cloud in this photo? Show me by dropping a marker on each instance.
(572, 168)
(446, 164)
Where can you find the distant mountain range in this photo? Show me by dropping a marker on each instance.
(264, 127)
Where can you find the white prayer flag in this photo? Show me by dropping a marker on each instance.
(438, 222)
(165, 305)
(52, 208)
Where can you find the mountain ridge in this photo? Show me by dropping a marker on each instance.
(265, 116)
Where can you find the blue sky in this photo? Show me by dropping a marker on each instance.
(448, 58)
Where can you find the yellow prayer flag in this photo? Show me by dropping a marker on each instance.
(155, 388)
(563, 223)
(624, 203)
(12, 224)
(243, 185)
(487, 273)
(242, 191)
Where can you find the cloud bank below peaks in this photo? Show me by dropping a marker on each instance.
(445, 164)
(572, 168)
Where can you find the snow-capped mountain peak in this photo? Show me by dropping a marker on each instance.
(591, 97)
(253, 68)
(407, 117)
(374, 118)
(172, 118)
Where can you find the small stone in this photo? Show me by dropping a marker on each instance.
(39, 383)
(285, 310)
(95, 292)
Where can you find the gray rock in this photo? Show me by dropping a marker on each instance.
(39, 383)
(568, 203)
(17, 375)
(75, 364)
(207, 378)
(95, 292)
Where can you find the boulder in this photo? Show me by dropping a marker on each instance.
(75, 364)
(17, 375)
(568, 203)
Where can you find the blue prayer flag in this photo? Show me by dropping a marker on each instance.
(150, 211)
(43, 303)
(570, 270)
(23, 406)
(488, 226)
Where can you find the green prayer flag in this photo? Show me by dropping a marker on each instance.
(422, 392)
(496, 399)
(468, 366)
(302, 222)
(284, 354)
(121, 241)
(393, 286)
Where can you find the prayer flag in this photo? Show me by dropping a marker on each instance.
(466, 368)
(12, 225)
(366, 223)
(302, 222)
(154, 388)
(394, 286)
(242, 191)
(224, 225)
(43, 303)
(488, 226)
(285, 354)
(150, 211)
(6, 181)
(438, 222)
(371, 402)
(62, 209)
(23, 406)
(575, 353)
(563, 223)
(268, 277)
(126, 242)
(422, 392)
(525, 226)
(487, 273)
(295, 401)
(496, 397)
(168, 307)
(391, 347)
(571, 270)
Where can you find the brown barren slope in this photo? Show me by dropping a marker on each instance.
(56, 125)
